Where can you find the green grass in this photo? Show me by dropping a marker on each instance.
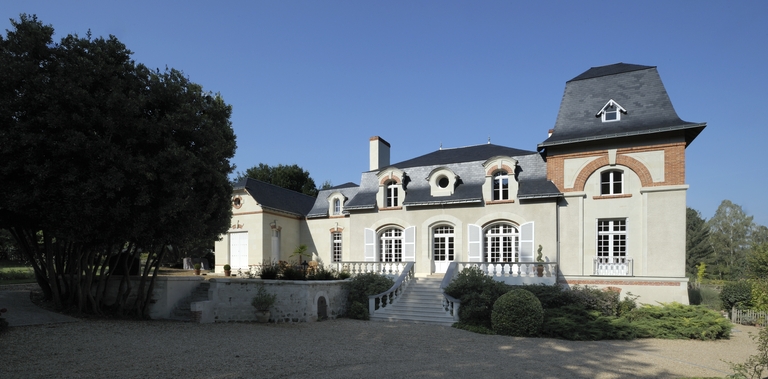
(15, 273)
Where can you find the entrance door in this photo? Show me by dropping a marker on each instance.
(238, 250)
(442, 248)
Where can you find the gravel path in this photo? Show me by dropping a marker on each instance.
(343, 349)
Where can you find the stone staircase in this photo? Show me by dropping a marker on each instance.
(421, 302)
(182, 310)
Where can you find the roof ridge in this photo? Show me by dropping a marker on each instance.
(276, 186)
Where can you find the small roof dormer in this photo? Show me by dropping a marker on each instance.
(611, 111)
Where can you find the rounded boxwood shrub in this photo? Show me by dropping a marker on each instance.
(477, 293)
(517, 313)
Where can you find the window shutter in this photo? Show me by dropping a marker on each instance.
(370, 245)
(409, 244)
(475, 251)
(526, 242)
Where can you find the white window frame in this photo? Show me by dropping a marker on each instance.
(502, 243)
(391, 245)
(612, 182)
(443, 243)
(336, 246)
(392, 194)
(614, 109)
(612, 241)
(500, 185)
(336, 206)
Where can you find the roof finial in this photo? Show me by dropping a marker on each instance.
(489, 140)
(441, 146)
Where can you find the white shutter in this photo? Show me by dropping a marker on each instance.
(370, 245)
(475, 250)
(409, 244)
(526, 242)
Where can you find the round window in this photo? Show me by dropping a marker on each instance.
(443, 182)
(237, 202)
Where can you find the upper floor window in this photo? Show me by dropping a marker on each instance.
(336, 207)
(500, 185)
(392, 194)
(611, 182)
(611, 111)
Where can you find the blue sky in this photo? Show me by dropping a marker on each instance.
(311, 81)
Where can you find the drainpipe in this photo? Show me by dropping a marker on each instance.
(557, 236)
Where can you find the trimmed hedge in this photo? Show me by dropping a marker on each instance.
(517, 313)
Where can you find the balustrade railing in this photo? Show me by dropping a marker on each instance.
(513, 269)
(384, 268)
(450, 304)
(619, 266)
(391, 295)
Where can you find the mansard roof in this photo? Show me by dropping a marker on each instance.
(467, 164)
(320, 207)
(272, 197)
(637, 88)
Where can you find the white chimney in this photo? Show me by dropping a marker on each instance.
(379, 153)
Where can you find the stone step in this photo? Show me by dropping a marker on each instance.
(421, 302)
(182, 311)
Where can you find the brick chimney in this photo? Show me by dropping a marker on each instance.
(379, 153)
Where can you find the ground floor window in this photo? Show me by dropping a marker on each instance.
(612, 241)
(442, 243)
(391, 245)
(336, 247)
(502, 243)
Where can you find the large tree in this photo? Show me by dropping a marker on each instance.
(730, 230)
(291, 177)
(698, 248)
(102, 158)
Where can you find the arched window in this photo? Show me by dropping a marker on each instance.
(391, 245)
(611, 182)
(392, 194)
(502, 243)
(336, 207)
(500, 185)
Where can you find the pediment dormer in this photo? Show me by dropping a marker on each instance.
(611, 111)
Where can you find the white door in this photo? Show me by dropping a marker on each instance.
(238, 250)
(442, 248)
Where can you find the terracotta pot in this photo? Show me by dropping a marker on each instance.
(262, 316)
(227, 273)
(540, 271)
(197, 272)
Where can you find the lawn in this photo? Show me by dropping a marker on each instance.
(12, 272)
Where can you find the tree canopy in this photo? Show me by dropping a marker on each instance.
(103, 156)
(698, 247)
(291, 177)
(730, 236)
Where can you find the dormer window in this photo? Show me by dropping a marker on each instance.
(611, 111)
(442, 182)
(336, 207)
(392, 197)
(500, 185)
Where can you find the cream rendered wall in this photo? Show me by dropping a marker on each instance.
(248, 218)
(665, 255)
(290, 237)
(316, 234)
(426, 218)
(572, 259)
(629, 208)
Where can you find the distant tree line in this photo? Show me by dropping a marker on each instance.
(726, 244)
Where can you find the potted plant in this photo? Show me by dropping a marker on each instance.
(227, 270)
(540, 267)
(197, 268)
(262, 302)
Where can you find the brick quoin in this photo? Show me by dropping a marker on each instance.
(504, 167)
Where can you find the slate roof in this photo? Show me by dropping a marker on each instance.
(638, 89)
(467, 164)
(272, 197)
(320, 207)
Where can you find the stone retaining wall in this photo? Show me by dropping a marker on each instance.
(297, 301)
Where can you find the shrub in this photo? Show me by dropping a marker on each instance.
(576, 322)
(227, 268)
(694, 296)
(627, 305)
(269, 270)
(604, 301)
(322, 273)
(344, 275)
(293, 273)
(359, 311)
(736, 294)
(677, 321)
(759, 294)
(477, 293)
(263, 300)
(362, 286)
(552, 296)
(517, 313)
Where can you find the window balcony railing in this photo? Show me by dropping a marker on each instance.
(616, 266)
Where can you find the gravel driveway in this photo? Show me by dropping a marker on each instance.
(344, 349)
